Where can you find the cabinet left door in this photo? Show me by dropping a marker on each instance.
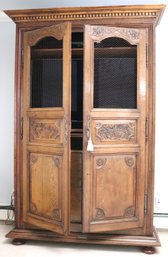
(46, 119)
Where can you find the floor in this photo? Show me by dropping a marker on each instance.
(45, 249)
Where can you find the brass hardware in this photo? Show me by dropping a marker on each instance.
(88, 128)
(88, 135)
(21, 128)
(146, 129)
(66, 130)
(145, 203)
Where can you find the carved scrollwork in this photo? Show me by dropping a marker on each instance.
(129, 212)
(33, 159)
(33, 208)
(41, 130)
(115, 132)
(56, 161)
(56, 31)
(98, 33)
(100, 162)
(129, 161)
(56, 214)
(100, 215)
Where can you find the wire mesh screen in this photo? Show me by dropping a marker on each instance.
(115, 74)
(46, 73)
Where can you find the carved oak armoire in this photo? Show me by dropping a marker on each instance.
(84, 124)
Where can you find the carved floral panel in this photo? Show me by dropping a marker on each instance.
(56, 31)
(115, 131)
(45, 130)
(54, 215)
(98, 33)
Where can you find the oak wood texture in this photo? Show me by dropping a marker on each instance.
(131, 221)
(46, 154)
(107, 165)
(76, 187)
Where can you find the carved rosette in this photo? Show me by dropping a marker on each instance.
(56, 31)
(41, 130)
(129, 212)
(115, 132)
(129, 161)
(100, 215)
(98, 33)
(100, 162)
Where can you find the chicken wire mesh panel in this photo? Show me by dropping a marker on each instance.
(46, 73)
(115, 74)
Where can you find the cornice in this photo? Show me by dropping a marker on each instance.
(80, 13)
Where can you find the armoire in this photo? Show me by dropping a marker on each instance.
(84, 125)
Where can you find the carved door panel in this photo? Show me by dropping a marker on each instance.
(114, 122)
(46, 116)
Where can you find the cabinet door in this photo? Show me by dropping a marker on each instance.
(114, 120)
(46, 116)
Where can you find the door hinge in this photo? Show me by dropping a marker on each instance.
(146, 129)
(145, 203)
(21, 128)
(147, 57)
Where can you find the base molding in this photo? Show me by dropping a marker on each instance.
(25, 234)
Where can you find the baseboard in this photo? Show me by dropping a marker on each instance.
(161, 221)
(3, 214)
(6, 215)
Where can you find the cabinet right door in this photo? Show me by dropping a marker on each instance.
(115, 102)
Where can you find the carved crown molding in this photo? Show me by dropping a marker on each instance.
(117, 12)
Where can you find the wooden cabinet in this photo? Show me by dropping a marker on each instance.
(84, 130)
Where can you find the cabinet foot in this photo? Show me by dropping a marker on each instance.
(18, 241)
(149, 250)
